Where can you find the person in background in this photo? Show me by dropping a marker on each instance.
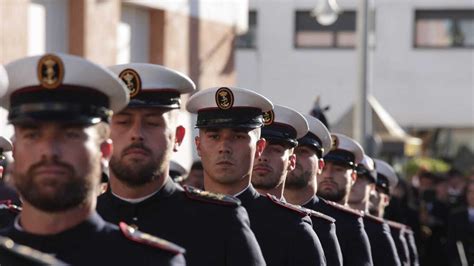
(301, 185)
(214, 229)
(461, 231)
(382, 244)
(334, 185)
(229, 141)
(195, 177)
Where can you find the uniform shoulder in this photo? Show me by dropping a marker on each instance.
(9, 206)
(319, 215)
(285, 205)
(17, 254)
(374, 218)
(396, 225)
(206, 196)
(343, 208)
(146, 239)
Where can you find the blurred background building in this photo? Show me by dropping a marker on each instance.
(421, 60)
(195, 37)
(421, 69)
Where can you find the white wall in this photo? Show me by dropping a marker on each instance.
(418, 87)
(133, 35)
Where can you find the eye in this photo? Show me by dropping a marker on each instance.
(31, 134)
(212, 136)
(72, 133)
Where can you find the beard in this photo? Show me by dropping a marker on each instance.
(336, 196)
(64, 194)
(298, 181)
(137, 173)
(266, 181)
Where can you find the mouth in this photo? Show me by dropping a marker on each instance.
(261, 169)
(136, 151)
(50, 171)
(225, 163)
(327, 185)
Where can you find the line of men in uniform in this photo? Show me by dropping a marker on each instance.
(279, 188)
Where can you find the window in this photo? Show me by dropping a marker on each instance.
(310, 34)
(249, 39)
(444, 28)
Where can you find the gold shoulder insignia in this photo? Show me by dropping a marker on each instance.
(147, 239)
(344, 208)
(314, 213)
(8, 205)
(202, 195)
(26, 254)
(287, 205)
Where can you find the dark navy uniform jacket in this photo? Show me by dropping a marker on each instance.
(8, 212)
(213, 232)
(461, 231)
(398, 235)
(96, 242)
(285, 236)
(353, 239)
(326, 231)
(384, 252)
(412, 249)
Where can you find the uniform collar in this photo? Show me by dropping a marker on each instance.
(168, 188)
(248, 195)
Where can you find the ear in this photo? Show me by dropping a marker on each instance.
(106, 148)
(353, 176)
(321, 164)
(179, 136)
(386, 201)
(197, 142)
(261, 143)
(1, 172)
(291, 162)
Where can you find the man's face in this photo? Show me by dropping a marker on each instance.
(270, 169)
(361, 189)
(143, 139)
(307, 167)
(227, 155)
(378, 202)
(57, 167)
(335, 181)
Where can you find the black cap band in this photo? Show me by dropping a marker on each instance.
(362, 171)
(341, 156)
(383, 183)
(280, 133)
(237, 117)
(313, 142)
(72, 104)
(156, 98)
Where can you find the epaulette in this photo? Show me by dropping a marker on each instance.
(314, 213)
(344, 208)
(396, 225)
(147, 239)
(287, 205)
(25, 254)
(374, 218)
(8, 205)
(217, 198)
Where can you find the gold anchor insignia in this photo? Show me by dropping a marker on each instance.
(335, 142)
(131, 78)
(50, 71)
(268, 117)
(224, 98)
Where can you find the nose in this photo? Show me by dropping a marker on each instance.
(51, 148)
(225, 147)
(136, 132)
